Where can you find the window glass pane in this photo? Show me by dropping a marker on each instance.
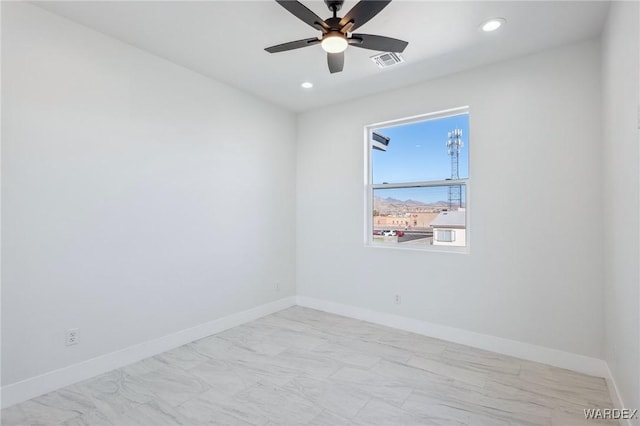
(444, 235)
(420, 216)
(418, 151)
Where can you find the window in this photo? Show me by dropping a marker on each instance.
(444, 235)
(418, 181)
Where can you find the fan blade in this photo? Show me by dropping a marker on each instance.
(376, 42)
(292, 45)
(362, 12)
(336, 61)
(301, 12)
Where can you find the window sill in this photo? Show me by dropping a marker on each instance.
(429, 248)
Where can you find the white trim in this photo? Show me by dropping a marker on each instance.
(427, 248)
(422, 184)
(368, 192)
(39, 385)
(614, 394)
(544, 355)
(451, 112)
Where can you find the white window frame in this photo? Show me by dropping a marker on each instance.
(370, 186)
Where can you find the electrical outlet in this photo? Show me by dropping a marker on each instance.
(397, 299)
(71, 337)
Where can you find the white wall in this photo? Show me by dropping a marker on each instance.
(139, 198)
(535, 167)
(621, 197)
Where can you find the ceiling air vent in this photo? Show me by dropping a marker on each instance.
(387, 59)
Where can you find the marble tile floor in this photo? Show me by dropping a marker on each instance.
(305, 367)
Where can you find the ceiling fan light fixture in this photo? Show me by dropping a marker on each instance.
(334, 43)
(338, 32)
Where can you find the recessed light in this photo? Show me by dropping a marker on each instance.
(492, 24)
(307, 85)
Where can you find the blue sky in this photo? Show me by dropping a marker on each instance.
(418, 152)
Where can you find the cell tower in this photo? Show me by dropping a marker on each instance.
(454, 146)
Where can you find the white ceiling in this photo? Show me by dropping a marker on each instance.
(225, 40)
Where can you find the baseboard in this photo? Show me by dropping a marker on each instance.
(614, 394)
(39, 385)
(544, 355)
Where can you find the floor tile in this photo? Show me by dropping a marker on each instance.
(184, 357)
(339, 399)
(480, 360)
(378, 412)
(35, 413)
(327, 418)
(460, 374)
(172, 385)
(394, 391)
(213, 407)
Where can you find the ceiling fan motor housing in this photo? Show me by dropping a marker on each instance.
(334, 23)
(334, 5)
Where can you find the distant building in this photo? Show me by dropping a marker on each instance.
(449, 228)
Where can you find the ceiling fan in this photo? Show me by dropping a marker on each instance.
(337, 33)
